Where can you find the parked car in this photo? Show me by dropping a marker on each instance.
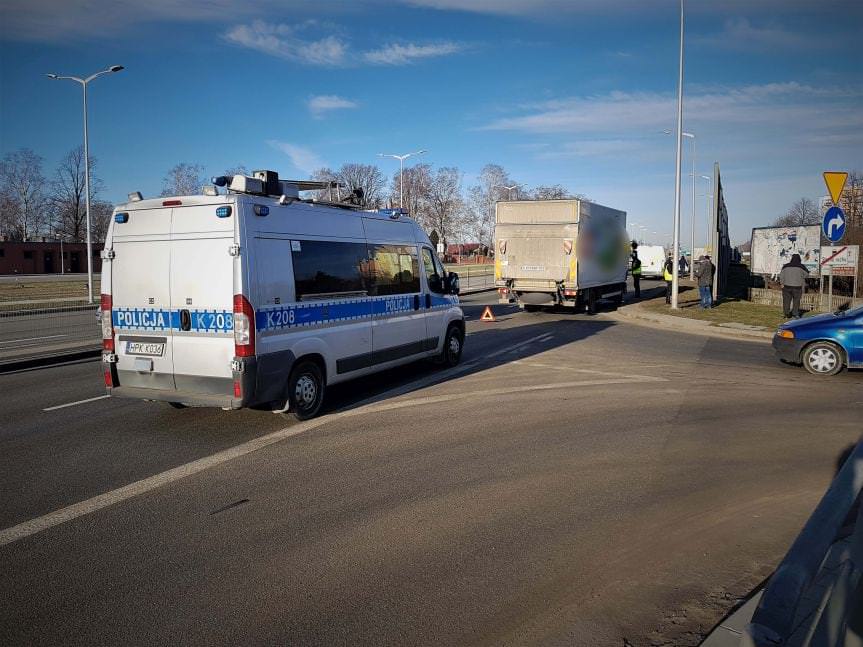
(823, 343)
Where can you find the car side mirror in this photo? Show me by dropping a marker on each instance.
(452, 283)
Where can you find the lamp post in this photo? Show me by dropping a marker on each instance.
(692, 155)
(675, 278)
(401, 159)
(510, 189)
(84, 82)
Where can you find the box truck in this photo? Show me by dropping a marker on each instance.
(559, 253)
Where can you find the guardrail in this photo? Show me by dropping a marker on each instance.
(474, 276)
(786, 614)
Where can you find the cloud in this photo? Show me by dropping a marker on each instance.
(302, 158)
(321, 104)
(404, 54)
(285, 41)
(766, 106)
(741, 35)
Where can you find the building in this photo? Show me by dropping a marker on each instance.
(43, 257)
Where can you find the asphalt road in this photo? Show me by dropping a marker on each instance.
(576, 481)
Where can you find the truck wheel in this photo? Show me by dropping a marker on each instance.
(306, 390)
(529, 307)
(591, 302)
(453, 344)
(822, 358)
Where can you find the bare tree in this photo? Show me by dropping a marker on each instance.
(239, 169)
(326, 175)
(100, 217)
(446, 213)
(366, 177)
(852, 199)
(23, 194)
(802, 212)
(417, 180)
(493, 180)
(183, 179)
(549, 192)
(68, 201)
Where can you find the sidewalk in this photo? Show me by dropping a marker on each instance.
(637, 312)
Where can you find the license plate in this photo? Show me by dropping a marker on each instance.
(147, 349)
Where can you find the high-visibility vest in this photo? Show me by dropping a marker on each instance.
(636, 271)
(668, 276)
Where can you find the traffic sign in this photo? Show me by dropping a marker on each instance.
(841, 259)
(835, 181)
(487, 315)
(833, 224)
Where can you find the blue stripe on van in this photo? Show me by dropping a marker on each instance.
(301, 315)
(156, 319)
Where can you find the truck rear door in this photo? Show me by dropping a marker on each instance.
(141, 299)
(202, 289)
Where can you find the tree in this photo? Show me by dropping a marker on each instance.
(68, 199)
(802, 212)
(417, 180)
(100, 217)
(239, 169)
(446, 213)
(549, 192)
(481, 202)
(23, 199)
(183, 179)
(326, 175)
(367, 177)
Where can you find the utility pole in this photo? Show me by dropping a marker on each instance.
(401, 159)
(675, 274)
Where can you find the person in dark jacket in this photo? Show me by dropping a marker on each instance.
(668, 275)
(792, 277)
(636, 274)
(682, 265)
(703, 271)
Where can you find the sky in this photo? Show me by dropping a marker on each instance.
(571, 92)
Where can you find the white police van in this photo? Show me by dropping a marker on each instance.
(255, 297)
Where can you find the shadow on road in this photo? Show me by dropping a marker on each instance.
(484, 350)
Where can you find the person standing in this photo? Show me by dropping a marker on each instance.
(668, 275)
(682, 265)
(792, 277)
(704, 275)
(636, 274)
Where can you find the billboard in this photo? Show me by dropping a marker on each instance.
(772, 247)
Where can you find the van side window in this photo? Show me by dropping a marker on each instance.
(433, 270)
(326, 269)
(393, 269)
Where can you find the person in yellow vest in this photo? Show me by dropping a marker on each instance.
(636, 274)
(668, 275)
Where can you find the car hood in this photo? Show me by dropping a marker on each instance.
(817, 319)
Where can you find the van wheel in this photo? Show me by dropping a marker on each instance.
(306, 390)
(453, 344)
(822, 358)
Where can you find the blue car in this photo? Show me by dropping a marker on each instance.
(823, 343)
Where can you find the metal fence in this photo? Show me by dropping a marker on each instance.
(473, 277)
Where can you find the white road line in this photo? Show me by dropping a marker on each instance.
(72, 404)
(12, 341)
(101, 501)
(521, 362)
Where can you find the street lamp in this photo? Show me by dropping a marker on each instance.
(401, 159)
(692, 151)
(508, 188)
(675, 279)
(84, 82)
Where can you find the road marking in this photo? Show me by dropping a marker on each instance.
(515, 347)
(521, 362)
(101, 501)
(73, 404)
(12, 341)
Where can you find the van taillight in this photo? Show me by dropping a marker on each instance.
(244, 327)
(105, 305)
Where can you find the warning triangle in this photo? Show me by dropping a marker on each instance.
(487, 315)
(835, 181)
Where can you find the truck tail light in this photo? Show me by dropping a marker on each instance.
(106, 303)
(244, 327)
(570, 293)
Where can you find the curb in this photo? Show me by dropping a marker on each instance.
(633, 311)
(48, 360)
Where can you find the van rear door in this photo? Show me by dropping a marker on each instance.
(141, 296)
(202, 290)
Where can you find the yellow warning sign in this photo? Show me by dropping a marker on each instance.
(835, 181)
(487, 315)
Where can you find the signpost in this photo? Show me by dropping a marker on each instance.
(839, 260)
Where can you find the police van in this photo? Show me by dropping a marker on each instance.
(252, 296)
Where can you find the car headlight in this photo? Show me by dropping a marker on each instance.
(787, 334)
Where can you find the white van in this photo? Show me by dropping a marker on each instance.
(258, 298)
(652, 259)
